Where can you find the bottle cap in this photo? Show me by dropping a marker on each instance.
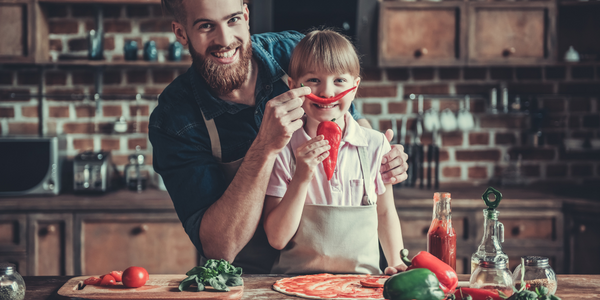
(491, 204)
(4, 266)
(537, 261)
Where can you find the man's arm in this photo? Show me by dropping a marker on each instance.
(231, 221)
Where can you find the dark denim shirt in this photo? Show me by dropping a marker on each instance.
(181, 145)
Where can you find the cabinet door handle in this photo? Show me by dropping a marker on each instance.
(47, 230)
(425, 231)
(509, 51)
(582, 228)
(140, 229)
(421, 52)
(518, 229)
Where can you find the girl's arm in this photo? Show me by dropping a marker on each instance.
(390, 233)
(282, 215)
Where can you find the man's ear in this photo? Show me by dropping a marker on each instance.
(179, 32)
(247, 15)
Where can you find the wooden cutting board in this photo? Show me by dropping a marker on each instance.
(157, 287)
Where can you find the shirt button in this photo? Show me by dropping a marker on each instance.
(256, 112)
(267, 87)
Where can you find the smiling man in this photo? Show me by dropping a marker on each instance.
(218, 128)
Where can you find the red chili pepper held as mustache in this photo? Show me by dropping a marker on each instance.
(324, 101)
(332, 133)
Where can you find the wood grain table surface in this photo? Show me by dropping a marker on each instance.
(570, 287)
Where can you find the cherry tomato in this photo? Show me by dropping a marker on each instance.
(92, 281)
(117, 275)
(135, 277)
(107, 280)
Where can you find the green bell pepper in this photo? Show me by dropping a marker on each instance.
(418, 284)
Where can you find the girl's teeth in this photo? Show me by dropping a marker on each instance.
(325, 106)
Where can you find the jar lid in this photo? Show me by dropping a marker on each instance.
(534, 260)
(501, 263)
(5, 266)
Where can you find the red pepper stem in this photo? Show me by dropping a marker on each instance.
(404, 257)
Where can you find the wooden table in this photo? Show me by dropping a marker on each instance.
(570, 287)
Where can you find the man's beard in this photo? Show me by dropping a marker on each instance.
(223, 79)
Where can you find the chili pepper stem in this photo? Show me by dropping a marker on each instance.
(404, 257)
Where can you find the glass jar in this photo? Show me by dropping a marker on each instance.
(12, 285)
(490, 248)
(537, 273)
(492, 275)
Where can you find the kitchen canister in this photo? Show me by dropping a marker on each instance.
(12, 285)
(150, 51)
(175, 50)
(538, 273)
(131, 50)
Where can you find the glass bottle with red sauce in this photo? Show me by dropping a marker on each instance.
(441, 237)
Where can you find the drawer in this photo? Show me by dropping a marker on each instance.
(13, 233)
(156, 242)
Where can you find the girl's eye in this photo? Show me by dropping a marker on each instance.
(313, 80)
(341, 80)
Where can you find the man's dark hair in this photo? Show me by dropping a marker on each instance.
(175, 9)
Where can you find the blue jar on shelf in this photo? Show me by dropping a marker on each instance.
(150, 51)
(175, 50)
(131, 50)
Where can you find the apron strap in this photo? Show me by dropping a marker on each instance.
(215, 143)
(365, 170)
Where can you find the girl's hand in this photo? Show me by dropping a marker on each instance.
(393, 270)
(309, 156)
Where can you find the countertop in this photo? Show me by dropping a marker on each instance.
(570, 287)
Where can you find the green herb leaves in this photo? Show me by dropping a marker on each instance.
(217, 273)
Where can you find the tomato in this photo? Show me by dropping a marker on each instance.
(117, 275)
(135, 277)
(107, 280)
(92, 281)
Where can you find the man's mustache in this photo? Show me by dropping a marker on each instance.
(217, 48)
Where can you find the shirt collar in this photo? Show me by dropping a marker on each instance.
(212, 107)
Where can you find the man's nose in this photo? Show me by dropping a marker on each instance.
(224, 36)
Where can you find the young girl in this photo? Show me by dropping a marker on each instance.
(332, 225)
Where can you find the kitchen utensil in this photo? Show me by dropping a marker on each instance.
(131, 50)
(465, 120)
(431, 120)
(136, 172)
(95, 44)
(505, 100)
(93, 172)
(493, 101)
(418, 147)
(572, 55)
(448, 120)
(157, 287)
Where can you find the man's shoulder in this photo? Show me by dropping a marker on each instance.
(271, 39)
(275, 48)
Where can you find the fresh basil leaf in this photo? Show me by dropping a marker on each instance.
(234, 281)
(187, 282)
(543, 291)
(211, 264)
(194, 270)
(218, 285)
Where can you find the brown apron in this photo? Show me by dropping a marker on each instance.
(257, 256)
(334, 239)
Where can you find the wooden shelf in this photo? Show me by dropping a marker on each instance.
(121, 63)
(102, 1)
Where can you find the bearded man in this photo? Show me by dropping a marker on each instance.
(218, 127)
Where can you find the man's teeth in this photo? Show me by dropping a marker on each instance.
(227, 54)
(326, 106)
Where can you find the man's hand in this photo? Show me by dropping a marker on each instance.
(393, 165)
(281, 119)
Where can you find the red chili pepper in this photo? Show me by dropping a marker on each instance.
(477, 294)
(445, 274)
(324, 101)
(333, 133)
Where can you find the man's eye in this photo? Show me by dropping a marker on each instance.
(205, 26)
(234, 19)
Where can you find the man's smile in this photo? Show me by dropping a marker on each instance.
(226, 57)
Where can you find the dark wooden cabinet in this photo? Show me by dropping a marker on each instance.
(50, 244)
(512, 33)
(421, 33)
(583, 242)
(24, 32)
(466, 33)
(155, 241)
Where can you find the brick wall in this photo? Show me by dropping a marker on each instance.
(568, 93)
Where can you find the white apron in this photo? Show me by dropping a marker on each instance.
(257, 257)
(334, 239)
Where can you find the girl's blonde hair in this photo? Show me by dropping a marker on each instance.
(324, 50)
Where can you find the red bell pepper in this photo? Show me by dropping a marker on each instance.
(477, 294)
(325, 101)
(332, 133)
(445, 274)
